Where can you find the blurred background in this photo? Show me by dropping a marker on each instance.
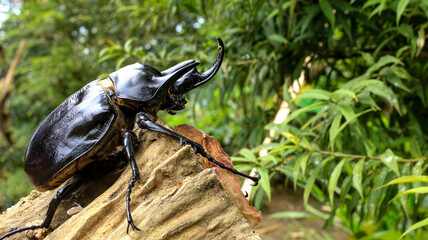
(326, 99)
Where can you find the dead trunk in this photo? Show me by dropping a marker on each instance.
(176, 198)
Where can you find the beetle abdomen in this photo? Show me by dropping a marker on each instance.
(68, 133)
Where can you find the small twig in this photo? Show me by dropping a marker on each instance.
(344, 155)
(11, 71)
(268, 229)
(5, 129)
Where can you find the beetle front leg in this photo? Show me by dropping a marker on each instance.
(127, 141)
(145, 122)
(53, 205)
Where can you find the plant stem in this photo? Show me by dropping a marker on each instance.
(344, 155)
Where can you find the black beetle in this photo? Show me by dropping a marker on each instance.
(100, 116)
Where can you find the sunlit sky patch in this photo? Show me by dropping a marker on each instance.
(7, 7)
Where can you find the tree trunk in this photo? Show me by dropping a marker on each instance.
(176, 198)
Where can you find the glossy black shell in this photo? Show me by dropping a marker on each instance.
(135, 82)
(90, 123)
(67, 135)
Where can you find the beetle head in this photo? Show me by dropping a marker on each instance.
(142, 87)
(192, 79)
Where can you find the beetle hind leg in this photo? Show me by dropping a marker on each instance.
(127, 141)
(145, 122)
(53, 205)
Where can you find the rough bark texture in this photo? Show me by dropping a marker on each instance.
(176, 198)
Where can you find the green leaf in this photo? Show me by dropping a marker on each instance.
(370, 3)
(240, 159)
(120, 61)
(390, 160)
(345, 186)
(420, 41)
(282, 147)
(248, 154)
(296, 113)
(382, 44)
(333, 136)
(314, 94)
(311, 180)
(415, 150)
(406, 30)
(392, 78)
(384, 60)
(292, 138)
(332, 183)
(128, 45)
(365, 98)
(317, 212)
(378, 10)
(108, 57)
(296, 168)
(367, 57)
(342, 19)
(103, 51)
(290, 214)
(304, 162)
(272, 14)
(407, 179)
(344, 6)
(357, 84)
(314, 119)
(278, 38)
(357, 177)
(421, 190)
(327, 9)
(401, 72)
(334, 127)
(265, 181)
(347, 110)
(243, 167)
(415, 226)
(401, 6)
(343, 93)
(375, 197)
(310, 12)
(384, 91)
(401, 50)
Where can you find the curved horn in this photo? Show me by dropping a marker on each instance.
(195, 79)
(206, 76)
(176, 67)
(164, 82)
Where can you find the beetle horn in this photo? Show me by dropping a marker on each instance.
(176, 67)
(195, 79)
(166, 81)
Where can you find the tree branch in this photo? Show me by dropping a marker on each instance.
(344, 155)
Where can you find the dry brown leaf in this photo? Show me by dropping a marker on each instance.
(230, 181)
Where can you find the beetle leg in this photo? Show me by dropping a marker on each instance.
(53, 205)
(145, 122)
(127, 141)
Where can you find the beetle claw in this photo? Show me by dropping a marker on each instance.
(256, 179)
(131, 223)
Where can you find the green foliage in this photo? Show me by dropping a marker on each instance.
(15, 186)
(358, 124)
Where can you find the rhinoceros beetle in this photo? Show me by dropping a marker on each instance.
(96, 119)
